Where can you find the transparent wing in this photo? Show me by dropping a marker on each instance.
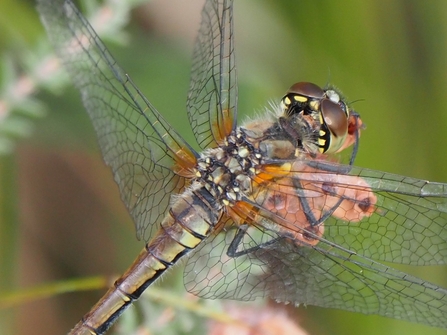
(147, 156)
(324, 275)
(406, 224)
(287, 253)
(212, 97)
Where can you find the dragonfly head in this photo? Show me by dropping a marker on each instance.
(325, 112)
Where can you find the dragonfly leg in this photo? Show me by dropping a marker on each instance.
(234, 245)
(310, 217)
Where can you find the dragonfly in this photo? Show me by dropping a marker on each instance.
(267, 208)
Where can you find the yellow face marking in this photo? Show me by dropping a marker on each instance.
(314, 104)
(321, 118)
(321, 142)
(287, 101)
(283, 106)
(299, 98)
(322, 132)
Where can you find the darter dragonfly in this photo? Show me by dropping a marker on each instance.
(264, 209)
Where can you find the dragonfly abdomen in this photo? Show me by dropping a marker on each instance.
(189, 221)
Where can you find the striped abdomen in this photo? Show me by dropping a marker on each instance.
(190, 219)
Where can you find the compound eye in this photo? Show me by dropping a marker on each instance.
(334, 117)
(307, 89)
(336, 122)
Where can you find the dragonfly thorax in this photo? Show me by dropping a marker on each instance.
(225, 171)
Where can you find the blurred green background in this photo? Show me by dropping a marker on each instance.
(60, 213)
